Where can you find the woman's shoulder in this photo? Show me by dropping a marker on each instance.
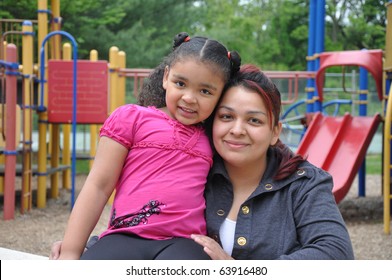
(306, 174)
(310, 170)
(309, 177)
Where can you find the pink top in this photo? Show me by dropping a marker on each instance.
(160, 192)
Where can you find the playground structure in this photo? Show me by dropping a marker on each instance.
(54, 107)
(335, 143)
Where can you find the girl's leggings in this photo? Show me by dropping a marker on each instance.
(131, 247)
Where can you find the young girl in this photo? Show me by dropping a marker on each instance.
(157, 160)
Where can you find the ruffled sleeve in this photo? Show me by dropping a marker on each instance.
(119, 126)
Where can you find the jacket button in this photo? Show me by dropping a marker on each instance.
(241, 241)
(215, 237)
(300, 172)
(220, 212)
(268, 187)
(245, 210)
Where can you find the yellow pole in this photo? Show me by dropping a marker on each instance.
(55, 131)
(54, 160)
(56, 26)
(113, 81)
(387, 166)
(387, 127)
(67, 55)
(4, 56)
(113, 78)
(27, 61)
(42, 116)
(121, 79)
(93, 127)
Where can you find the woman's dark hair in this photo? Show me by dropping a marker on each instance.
(252, 78)
(184, 47)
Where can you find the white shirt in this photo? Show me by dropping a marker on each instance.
(226, 232)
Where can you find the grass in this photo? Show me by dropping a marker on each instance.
(82, 167)
(373, 164)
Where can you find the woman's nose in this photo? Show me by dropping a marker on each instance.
(237, 128)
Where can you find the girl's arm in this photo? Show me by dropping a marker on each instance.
(99, 185)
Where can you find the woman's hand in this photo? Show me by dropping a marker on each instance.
(211, 247)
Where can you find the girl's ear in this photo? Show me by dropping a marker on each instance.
(165, 77)
(276, 133)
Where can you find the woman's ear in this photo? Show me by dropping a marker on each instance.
(276, 133)
(165, 77)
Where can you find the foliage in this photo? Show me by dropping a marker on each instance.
(271, 34)
(355, 24)
(22, 9)
(142, 28)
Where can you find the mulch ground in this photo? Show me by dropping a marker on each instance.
(35, 231)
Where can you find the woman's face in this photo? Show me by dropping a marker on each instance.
(193, 89)
(241, 128)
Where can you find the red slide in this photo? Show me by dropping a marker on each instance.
(338, 145)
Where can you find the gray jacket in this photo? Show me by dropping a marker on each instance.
(295, 218)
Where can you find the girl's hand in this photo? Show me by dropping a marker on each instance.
(56, 254)
(55, 250)
(211, 247)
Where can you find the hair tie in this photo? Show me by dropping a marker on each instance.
(187, 39)
(229, 55)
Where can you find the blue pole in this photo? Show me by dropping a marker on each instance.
(363, 87)
(310, 61)
(42, 108)
(319, 45)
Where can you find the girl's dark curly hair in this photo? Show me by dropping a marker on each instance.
(184, 47)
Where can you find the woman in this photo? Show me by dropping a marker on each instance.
(263, 201)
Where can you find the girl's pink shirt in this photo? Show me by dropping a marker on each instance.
(160, 192)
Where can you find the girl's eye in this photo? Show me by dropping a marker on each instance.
(180, 84)
(204, 91)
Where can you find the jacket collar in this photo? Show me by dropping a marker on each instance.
(267, 183)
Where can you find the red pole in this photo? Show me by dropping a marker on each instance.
(10, 133)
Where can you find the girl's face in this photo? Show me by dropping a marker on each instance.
(241, 129)
(192, 89)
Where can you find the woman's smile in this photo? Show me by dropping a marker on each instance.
(235, 144)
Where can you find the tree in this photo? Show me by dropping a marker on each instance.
(355, 24)
(272, 34)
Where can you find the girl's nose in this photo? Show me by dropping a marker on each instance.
(189, 97)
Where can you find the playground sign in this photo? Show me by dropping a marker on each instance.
(92, 91)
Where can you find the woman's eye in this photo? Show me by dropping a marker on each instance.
(225, 117)
(255, 121)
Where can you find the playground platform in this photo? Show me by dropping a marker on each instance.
(9, 254)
